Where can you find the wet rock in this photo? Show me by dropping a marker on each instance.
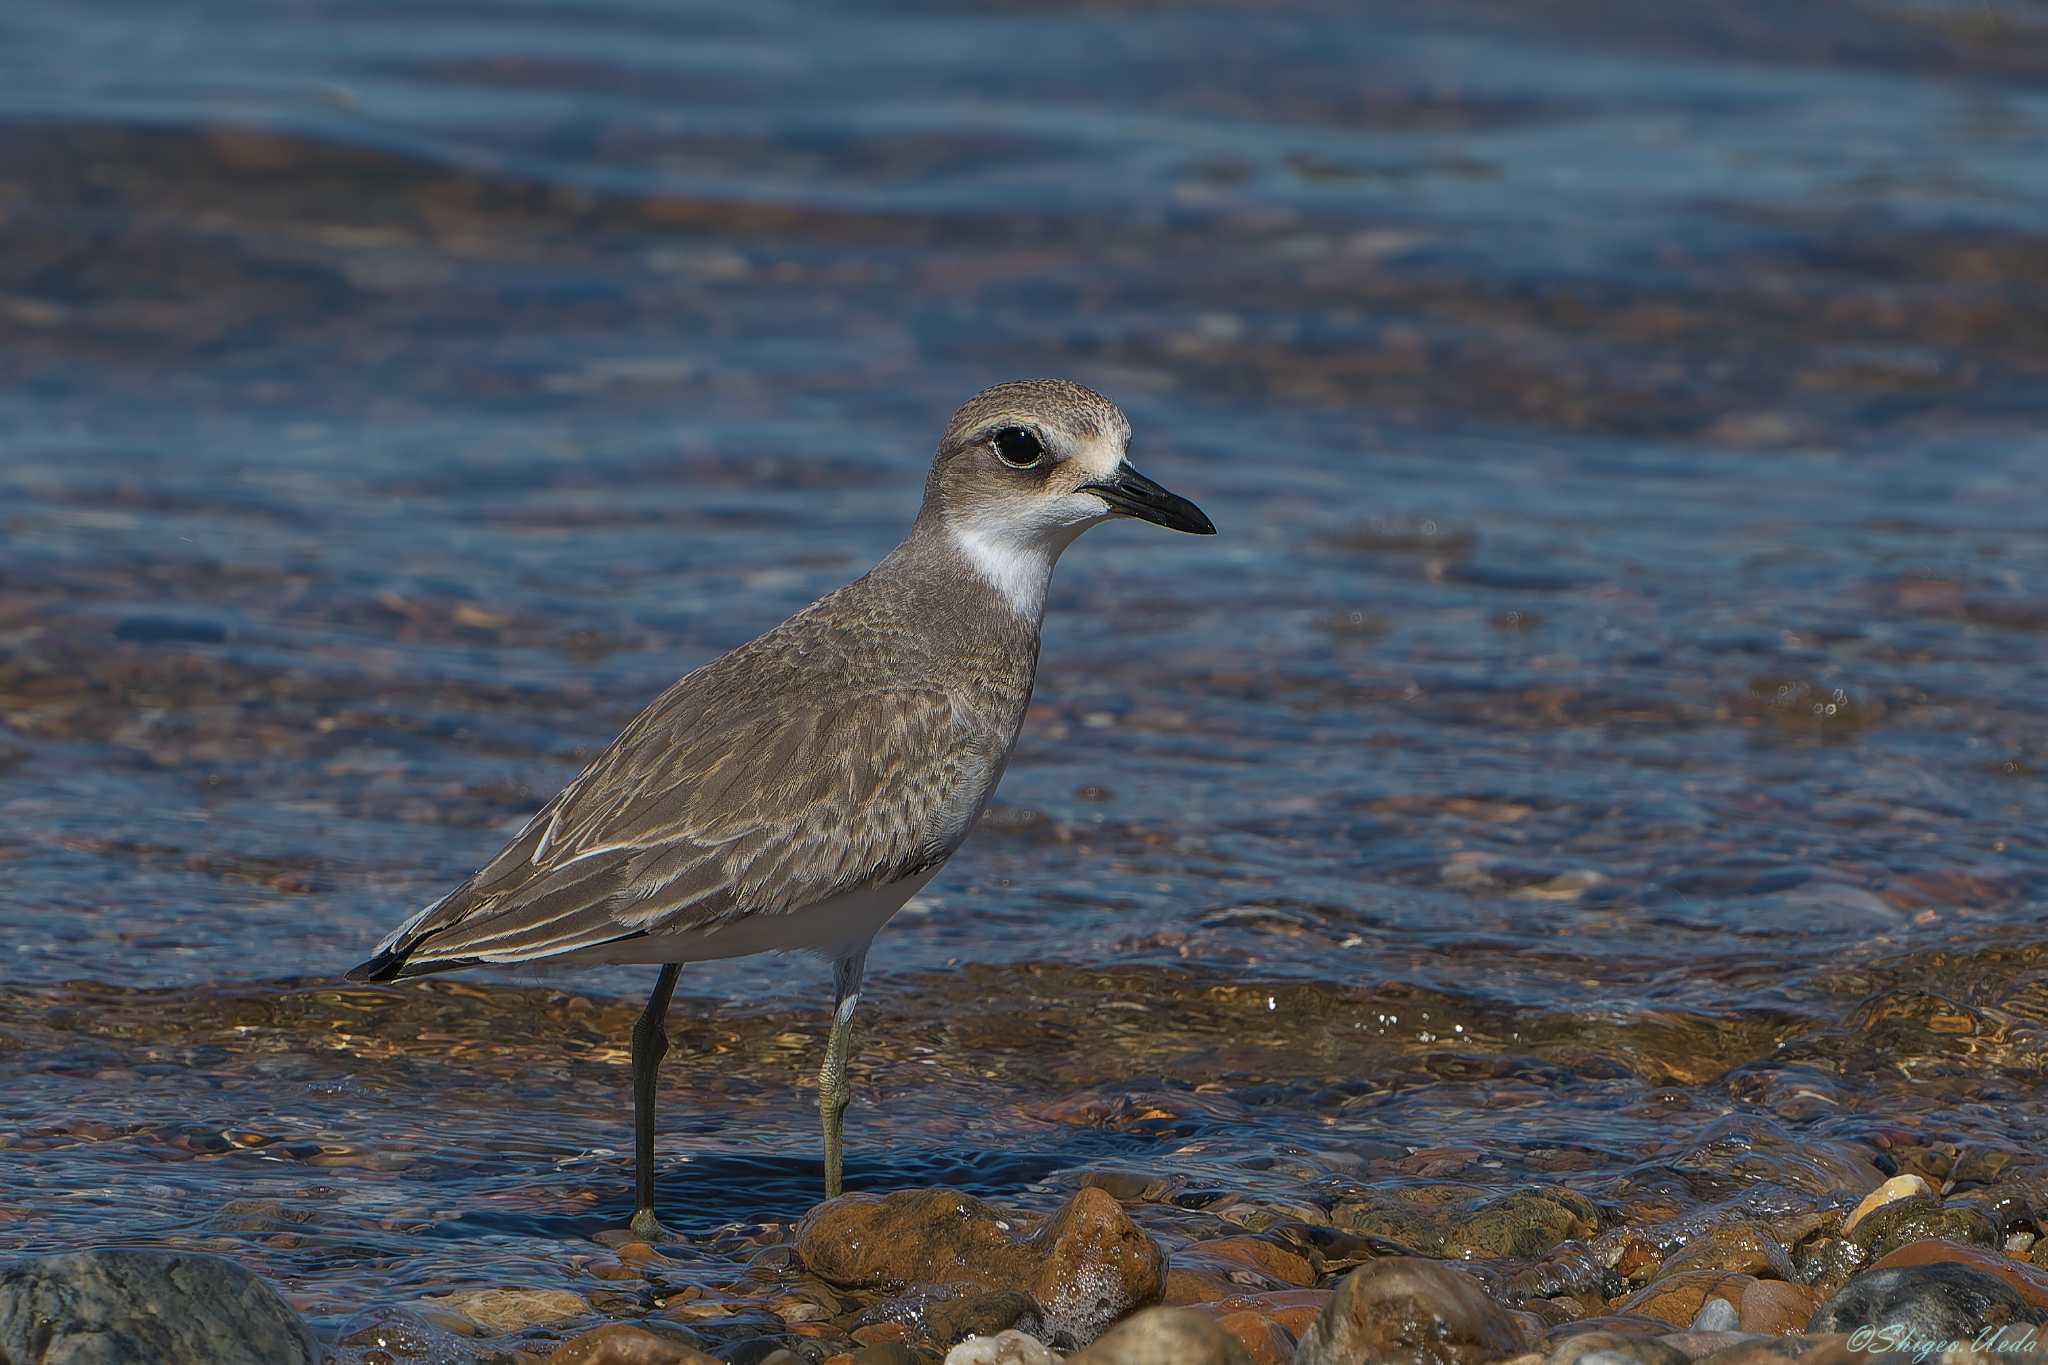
(1456, 1220)
(1522, 1224)
(1918, 1219)
(1942, 1301)
(1716, 1315)
(2023, 1279)
(624, 1344)
(983, 1315)
(1132, 1187)
(1087, 1265)
(946, 1313)
(1265, 1341)
(1612, 1348)
(501, 1312)
(1165, 1336)
(1186, 1284)
(1677, 1299)
(1404, 1309)
(1774, 1307)
(258, 1217)
(1004, 1348)
(1897, 1188)
(1745, 1247)
(1293, 1309)
(1262, 1256)
(1829, 1262)
(381, 1335)
(114, 1306)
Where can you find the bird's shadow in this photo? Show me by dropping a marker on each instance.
(716, 1189)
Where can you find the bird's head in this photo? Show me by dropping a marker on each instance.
(1025, 467)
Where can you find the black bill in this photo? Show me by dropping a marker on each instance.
(1131, 494)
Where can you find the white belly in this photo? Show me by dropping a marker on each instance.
(833, 929)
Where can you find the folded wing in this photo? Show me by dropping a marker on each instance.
(712, 807)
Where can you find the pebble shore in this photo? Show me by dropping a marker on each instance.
(934, 1277)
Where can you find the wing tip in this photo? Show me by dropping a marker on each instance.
(387, 965)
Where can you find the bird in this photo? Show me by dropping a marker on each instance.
(793, 793)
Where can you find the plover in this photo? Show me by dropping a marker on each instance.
(795, 792)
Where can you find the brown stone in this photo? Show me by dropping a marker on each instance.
(1186, 1284)
(1165, 1336)
(1403, 1309)
(1265, 1341)
(1087, 1265)
(979, 1315)
(1270, 1259)
(624, 1344)
(1638, 1261)
(2025, 1280)
(1676, 1298)
(500, 1312)
(1523, 1223)
(1294, 1309)
(1774, 1307)
(1746, 1247)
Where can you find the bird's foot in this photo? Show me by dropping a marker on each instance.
(643, 1226)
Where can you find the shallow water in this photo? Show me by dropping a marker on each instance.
(1603, 746)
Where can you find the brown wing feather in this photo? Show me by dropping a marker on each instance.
(710, 806)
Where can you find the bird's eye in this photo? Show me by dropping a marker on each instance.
(1017, 447)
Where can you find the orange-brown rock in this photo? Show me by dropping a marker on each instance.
(1187, 1284)
(1270, 1259)
(1294, 1309)
(1676, 1298)
(624, 1344)
(1638, 1261)
(1265, 1341)
(1087, 1265)
(1746, 1247)
(1165, 1336)
(1774, 1307)
(2030, 1283)
(1404, 1310)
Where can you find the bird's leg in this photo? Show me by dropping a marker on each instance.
(832, 1086)
(650, 1043)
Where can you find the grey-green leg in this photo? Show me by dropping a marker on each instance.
(832, 1087)
(650, 1044)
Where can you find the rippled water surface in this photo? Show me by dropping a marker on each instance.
(1603, 746)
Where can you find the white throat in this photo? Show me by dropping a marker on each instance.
(1018, 567)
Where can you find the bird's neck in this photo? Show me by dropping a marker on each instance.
(972, 582)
